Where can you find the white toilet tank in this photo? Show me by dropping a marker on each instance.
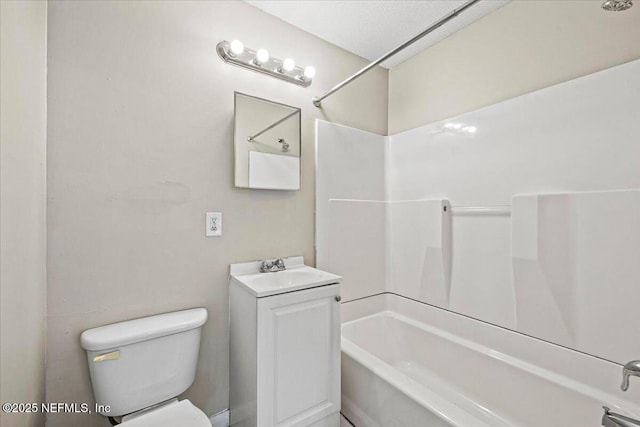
(142, 362)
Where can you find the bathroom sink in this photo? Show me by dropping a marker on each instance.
(289, 277)
(297, 276)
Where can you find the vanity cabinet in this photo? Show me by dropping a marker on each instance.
(285, 357)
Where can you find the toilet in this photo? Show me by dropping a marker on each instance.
(139, 367)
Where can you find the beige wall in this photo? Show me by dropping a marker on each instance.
(522, 47)
(140, 147)
(22, 206)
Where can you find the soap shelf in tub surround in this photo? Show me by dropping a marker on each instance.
(575, 259)
(295, 277)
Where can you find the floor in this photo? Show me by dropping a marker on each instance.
(222, 420)
(345, 422)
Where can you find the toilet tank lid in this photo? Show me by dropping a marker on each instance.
(142, 329)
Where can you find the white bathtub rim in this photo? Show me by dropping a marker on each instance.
(585, 369)
(372, 362)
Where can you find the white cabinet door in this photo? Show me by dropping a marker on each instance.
(298, 357)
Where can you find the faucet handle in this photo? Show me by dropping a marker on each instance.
(272, 266)
(630, 369)
(264, 266)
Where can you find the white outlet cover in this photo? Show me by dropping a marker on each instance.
(213, 224)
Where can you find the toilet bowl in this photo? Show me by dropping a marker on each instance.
(175, 413)
(139, 367)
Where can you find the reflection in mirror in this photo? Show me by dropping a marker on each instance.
(266, 144)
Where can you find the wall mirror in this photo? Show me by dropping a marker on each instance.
(266, 144)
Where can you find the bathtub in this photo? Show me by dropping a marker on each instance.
(408, 364)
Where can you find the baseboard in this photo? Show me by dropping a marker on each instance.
(221, 419)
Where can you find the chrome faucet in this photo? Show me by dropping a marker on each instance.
(272, 266)
(611, 419)
(631, 369)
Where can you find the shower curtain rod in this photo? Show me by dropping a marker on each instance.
(317, 100)
(250, 138)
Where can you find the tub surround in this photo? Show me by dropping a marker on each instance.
(356, 244)
(474, 353)
(559, 140)
(573, 138)
(575, 259)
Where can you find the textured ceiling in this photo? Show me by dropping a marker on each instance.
(372, 28)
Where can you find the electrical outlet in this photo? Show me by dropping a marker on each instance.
(213, 224)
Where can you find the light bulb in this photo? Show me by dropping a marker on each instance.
(457, 125)
(236, 47)
(288, 64)
(262, 56)
(448, 125)
(309, 72)
(470, 129)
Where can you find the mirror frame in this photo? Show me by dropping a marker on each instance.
(235, 112)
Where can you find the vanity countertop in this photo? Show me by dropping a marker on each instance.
(295, 277)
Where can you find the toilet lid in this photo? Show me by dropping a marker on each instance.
(175, 414)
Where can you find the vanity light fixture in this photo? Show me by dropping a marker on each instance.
(287, 65)
(309, 72)
(262, 56)
(236, 48)
(236, 53)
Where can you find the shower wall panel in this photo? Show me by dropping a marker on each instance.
(579, 136)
